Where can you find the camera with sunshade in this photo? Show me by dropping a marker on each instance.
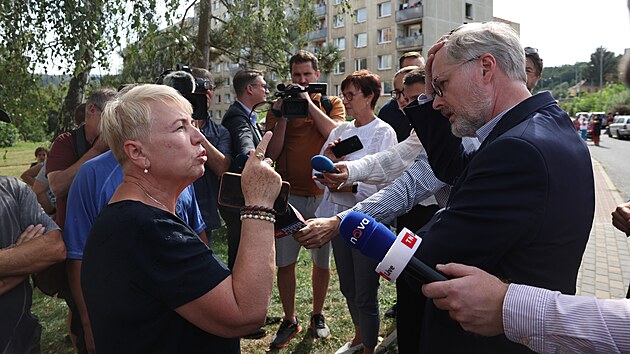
(293, 105)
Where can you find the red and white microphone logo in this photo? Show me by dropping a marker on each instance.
(409, 240)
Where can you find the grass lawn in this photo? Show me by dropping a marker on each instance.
(52, 311)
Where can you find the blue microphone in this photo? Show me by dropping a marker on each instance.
(323, 164)
(396, 254)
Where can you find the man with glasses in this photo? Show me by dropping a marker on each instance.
(533, 67)
(295, 141)
(512, 210)
(219, 156)
(242, 123)
(390, 112)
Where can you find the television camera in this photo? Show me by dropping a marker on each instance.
(293, 105)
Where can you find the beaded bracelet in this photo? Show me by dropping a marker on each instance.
(267, 217)
(251, 209)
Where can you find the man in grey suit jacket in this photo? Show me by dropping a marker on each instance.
(241, 122)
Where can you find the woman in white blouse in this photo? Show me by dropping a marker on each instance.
(358, 280)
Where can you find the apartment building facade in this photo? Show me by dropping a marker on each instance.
(372, 37)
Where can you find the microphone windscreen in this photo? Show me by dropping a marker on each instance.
(367, 235)
(322, 164)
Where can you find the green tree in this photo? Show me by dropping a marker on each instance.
(72, 36)
(605, 61)
(250, 32)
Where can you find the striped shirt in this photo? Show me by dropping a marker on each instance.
(549, 322)
(415, 185)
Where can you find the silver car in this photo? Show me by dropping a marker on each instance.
(620, 127)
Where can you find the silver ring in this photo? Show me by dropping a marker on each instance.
(260, 155)
(269, 161)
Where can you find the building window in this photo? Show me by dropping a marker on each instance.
(340, 43)
(360, 40)
(338, 21)
(385, 35)
(337, 2)
(387, 87)
(218, 97)
(469, 11)
(219, 115)
(217, 68)
(215, 5)
(340, 68)
(360, 15)
(414, 30)
(360, 64)
(337, 90)
(227, 82)
(385, 62)
(228, 98)
(384, 9)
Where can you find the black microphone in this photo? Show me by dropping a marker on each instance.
(395, 254)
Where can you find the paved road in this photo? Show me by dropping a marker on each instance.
(605, 270)
(614, 155)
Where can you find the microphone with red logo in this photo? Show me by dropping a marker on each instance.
(395, 254)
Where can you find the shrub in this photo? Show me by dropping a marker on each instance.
(8, 135)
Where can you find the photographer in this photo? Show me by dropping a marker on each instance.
(207, 186)
(294, 142)
(199, 90)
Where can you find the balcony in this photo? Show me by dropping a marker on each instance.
(320, 10)
(411, 13)
(409, 42)
(318, 34)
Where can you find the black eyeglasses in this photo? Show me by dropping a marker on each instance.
(348, 96)
(397, 93)
(438, 86)
(530, 50)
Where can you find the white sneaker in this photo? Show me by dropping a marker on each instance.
(348, 348)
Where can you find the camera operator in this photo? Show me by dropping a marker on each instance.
(207, 186)
(199, 91)
(294, 142)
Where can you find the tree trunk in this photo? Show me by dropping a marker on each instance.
(76, 92)
(202, 59)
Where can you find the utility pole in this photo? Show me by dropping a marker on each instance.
(601, 76)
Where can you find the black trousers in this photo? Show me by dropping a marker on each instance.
(409, 296)
(232, 218)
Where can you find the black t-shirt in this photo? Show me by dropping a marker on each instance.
(139, 264)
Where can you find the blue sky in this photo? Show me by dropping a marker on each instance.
(568, 31)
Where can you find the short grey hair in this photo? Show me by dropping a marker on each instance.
(472, 40)
(128, 116)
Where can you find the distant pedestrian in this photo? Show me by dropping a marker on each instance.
(583, 126)
(597, 128)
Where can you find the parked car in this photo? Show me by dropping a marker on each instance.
(620, 127)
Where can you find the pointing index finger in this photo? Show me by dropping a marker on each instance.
(262, 146)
